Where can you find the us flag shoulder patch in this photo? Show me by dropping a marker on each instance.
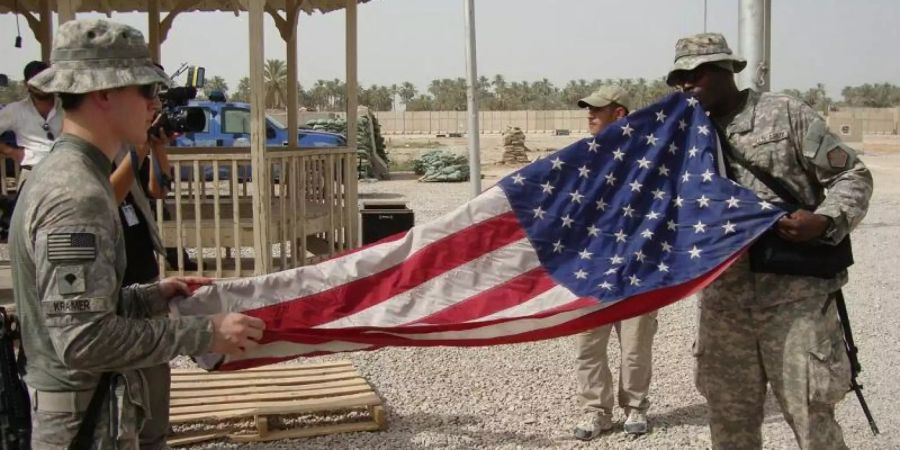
(71, 247)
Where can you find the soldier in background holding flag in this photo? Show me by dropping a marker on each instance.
(595, 385)
(760, 325)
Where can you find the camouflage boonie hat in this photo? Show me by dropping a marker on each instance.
(692, 51)
(606, 95)
(93, 55)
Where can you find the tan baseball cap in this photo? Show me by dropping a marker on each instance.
(606, 95)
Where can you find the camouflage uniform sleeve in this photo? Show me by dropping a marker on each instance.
(77, 284)
(140, 301)
(838, 169)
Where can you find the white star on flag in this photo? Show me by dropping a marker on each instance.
(659, 194)
(601, 205)
(518, 179)
(610, 179)
(728, 227)
(620, 236)
(538, 213)
(547, 188)
(660, 116)
(635, 186)
(593, 231)
(764, 205)
(699, 227)
(627, 211)
(616, 259)
(695, 252)
(618, 154)
(682, 125)
(663, 171)
(567, 221)
(558, 247)
(653, 215)
(679, 202)
(673, 148)
(647, 234)
(585, 254)
(703, 129)
(576, 196)
(707, 176)
(666, 247)
(692, 101)
(557, 163)
(732, 202)
(627, 130)
(634, 280)
(583, 171)
(662, 267)
(693, 152)
(703, 201)
(592, 146)
(580, 275)
(651, 139)
(643, 163)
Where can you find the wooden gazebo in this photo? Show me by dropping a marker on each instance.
(297, 206)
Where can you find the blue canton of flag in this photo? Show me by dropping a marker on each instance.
(642, 205)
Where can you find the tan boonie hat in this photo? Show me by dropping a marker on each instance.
(606, 95)
(92, 55)
(692, 51)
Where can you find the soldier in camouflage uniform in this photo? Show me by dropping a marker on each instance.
(69, 257)
(759, 328)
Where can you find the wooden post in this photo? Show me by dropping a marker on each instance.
(46, 35)
(351, 116)
(153, 30)
(66, 10)
(291, 8)
(260, 167)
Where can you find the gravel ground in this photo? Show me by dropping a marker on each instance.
(522, 396)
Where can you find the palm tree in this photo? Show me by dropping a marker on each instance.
(215, 83)
(275, 76)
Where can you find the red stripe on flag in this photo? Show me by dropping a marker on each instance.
(621, 310)
(514, 292)
(430, 262)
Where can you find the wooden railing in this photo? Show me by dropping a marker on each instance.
(208, 217)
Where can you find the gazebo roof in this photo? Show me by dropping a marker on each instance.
(125, 6)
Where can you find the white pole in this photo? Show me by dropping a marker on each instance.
(472, 94)
(754, 37)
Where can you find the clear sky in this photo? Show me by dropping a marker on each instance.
(836, 42)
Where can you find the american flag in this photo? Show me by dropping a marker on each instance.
(610, 227)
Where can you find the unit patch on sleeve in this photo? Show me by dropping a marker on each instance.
(837, 158)
(71, 247)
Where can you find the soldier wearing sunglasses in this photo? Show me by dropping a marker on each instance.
(36, 120)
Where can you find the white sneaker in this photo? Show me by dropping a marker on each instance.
(636, 423)
(592, 424)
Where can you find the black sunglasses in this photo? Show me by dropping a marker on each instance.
(46, 128)
(149, 91)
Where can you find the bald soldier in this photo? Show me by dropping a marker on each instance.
(758, 327)
(595, 385)
(86, 336)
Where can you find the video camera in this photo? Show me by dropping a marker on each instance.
(175, 116)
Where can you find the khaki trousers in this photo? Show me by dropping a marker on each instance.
(797, 348)
(595, 387)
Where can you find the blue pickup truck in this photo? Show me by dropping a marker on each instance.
(228, 125)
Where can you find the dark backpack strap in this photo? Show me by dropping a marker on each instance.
(85, 436)
(773, 184)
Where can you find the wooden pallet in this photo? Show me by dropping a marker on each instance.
(227, 401)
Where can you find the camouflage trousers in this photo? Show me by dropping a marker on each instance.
(595, 384)
(796, 347)
(117, 422)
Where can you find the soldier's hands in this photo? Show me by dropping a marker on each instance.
(235, 333)
(16, 153)
(174, 286)
(801, 226)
